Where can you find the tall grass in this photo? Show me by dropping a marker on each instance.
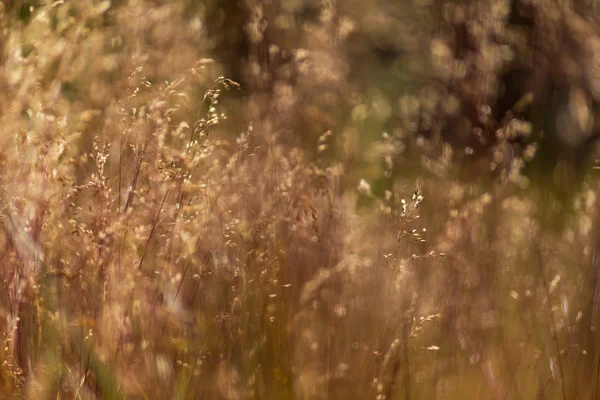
(365, 214)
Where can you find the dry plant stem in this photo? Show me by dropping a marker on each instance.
(138, 166)
(154, 224)
(187, 391)
(119, 185)
(398, 254)
(175, 216)
(406, 329)
(513, 381)
(543, 388)
(155, 296)
(487, 295)
(542, 274)
(187, 266)
(511, 368)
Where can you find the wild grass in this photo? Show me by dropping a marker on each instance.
(344, 222)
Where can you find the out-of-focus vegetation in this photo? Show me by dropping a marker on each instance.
(299, 199)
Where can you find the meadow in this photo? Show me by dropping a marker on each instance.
(299, 199)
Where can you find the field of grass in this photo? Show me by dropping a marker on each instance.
(299, 199)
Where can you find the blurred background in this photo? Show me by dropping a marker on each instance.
(300, 199)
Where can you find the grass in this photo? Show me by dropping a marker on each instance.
(169, 233)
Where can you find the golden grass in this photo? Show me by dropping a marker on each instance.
(168, 233)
